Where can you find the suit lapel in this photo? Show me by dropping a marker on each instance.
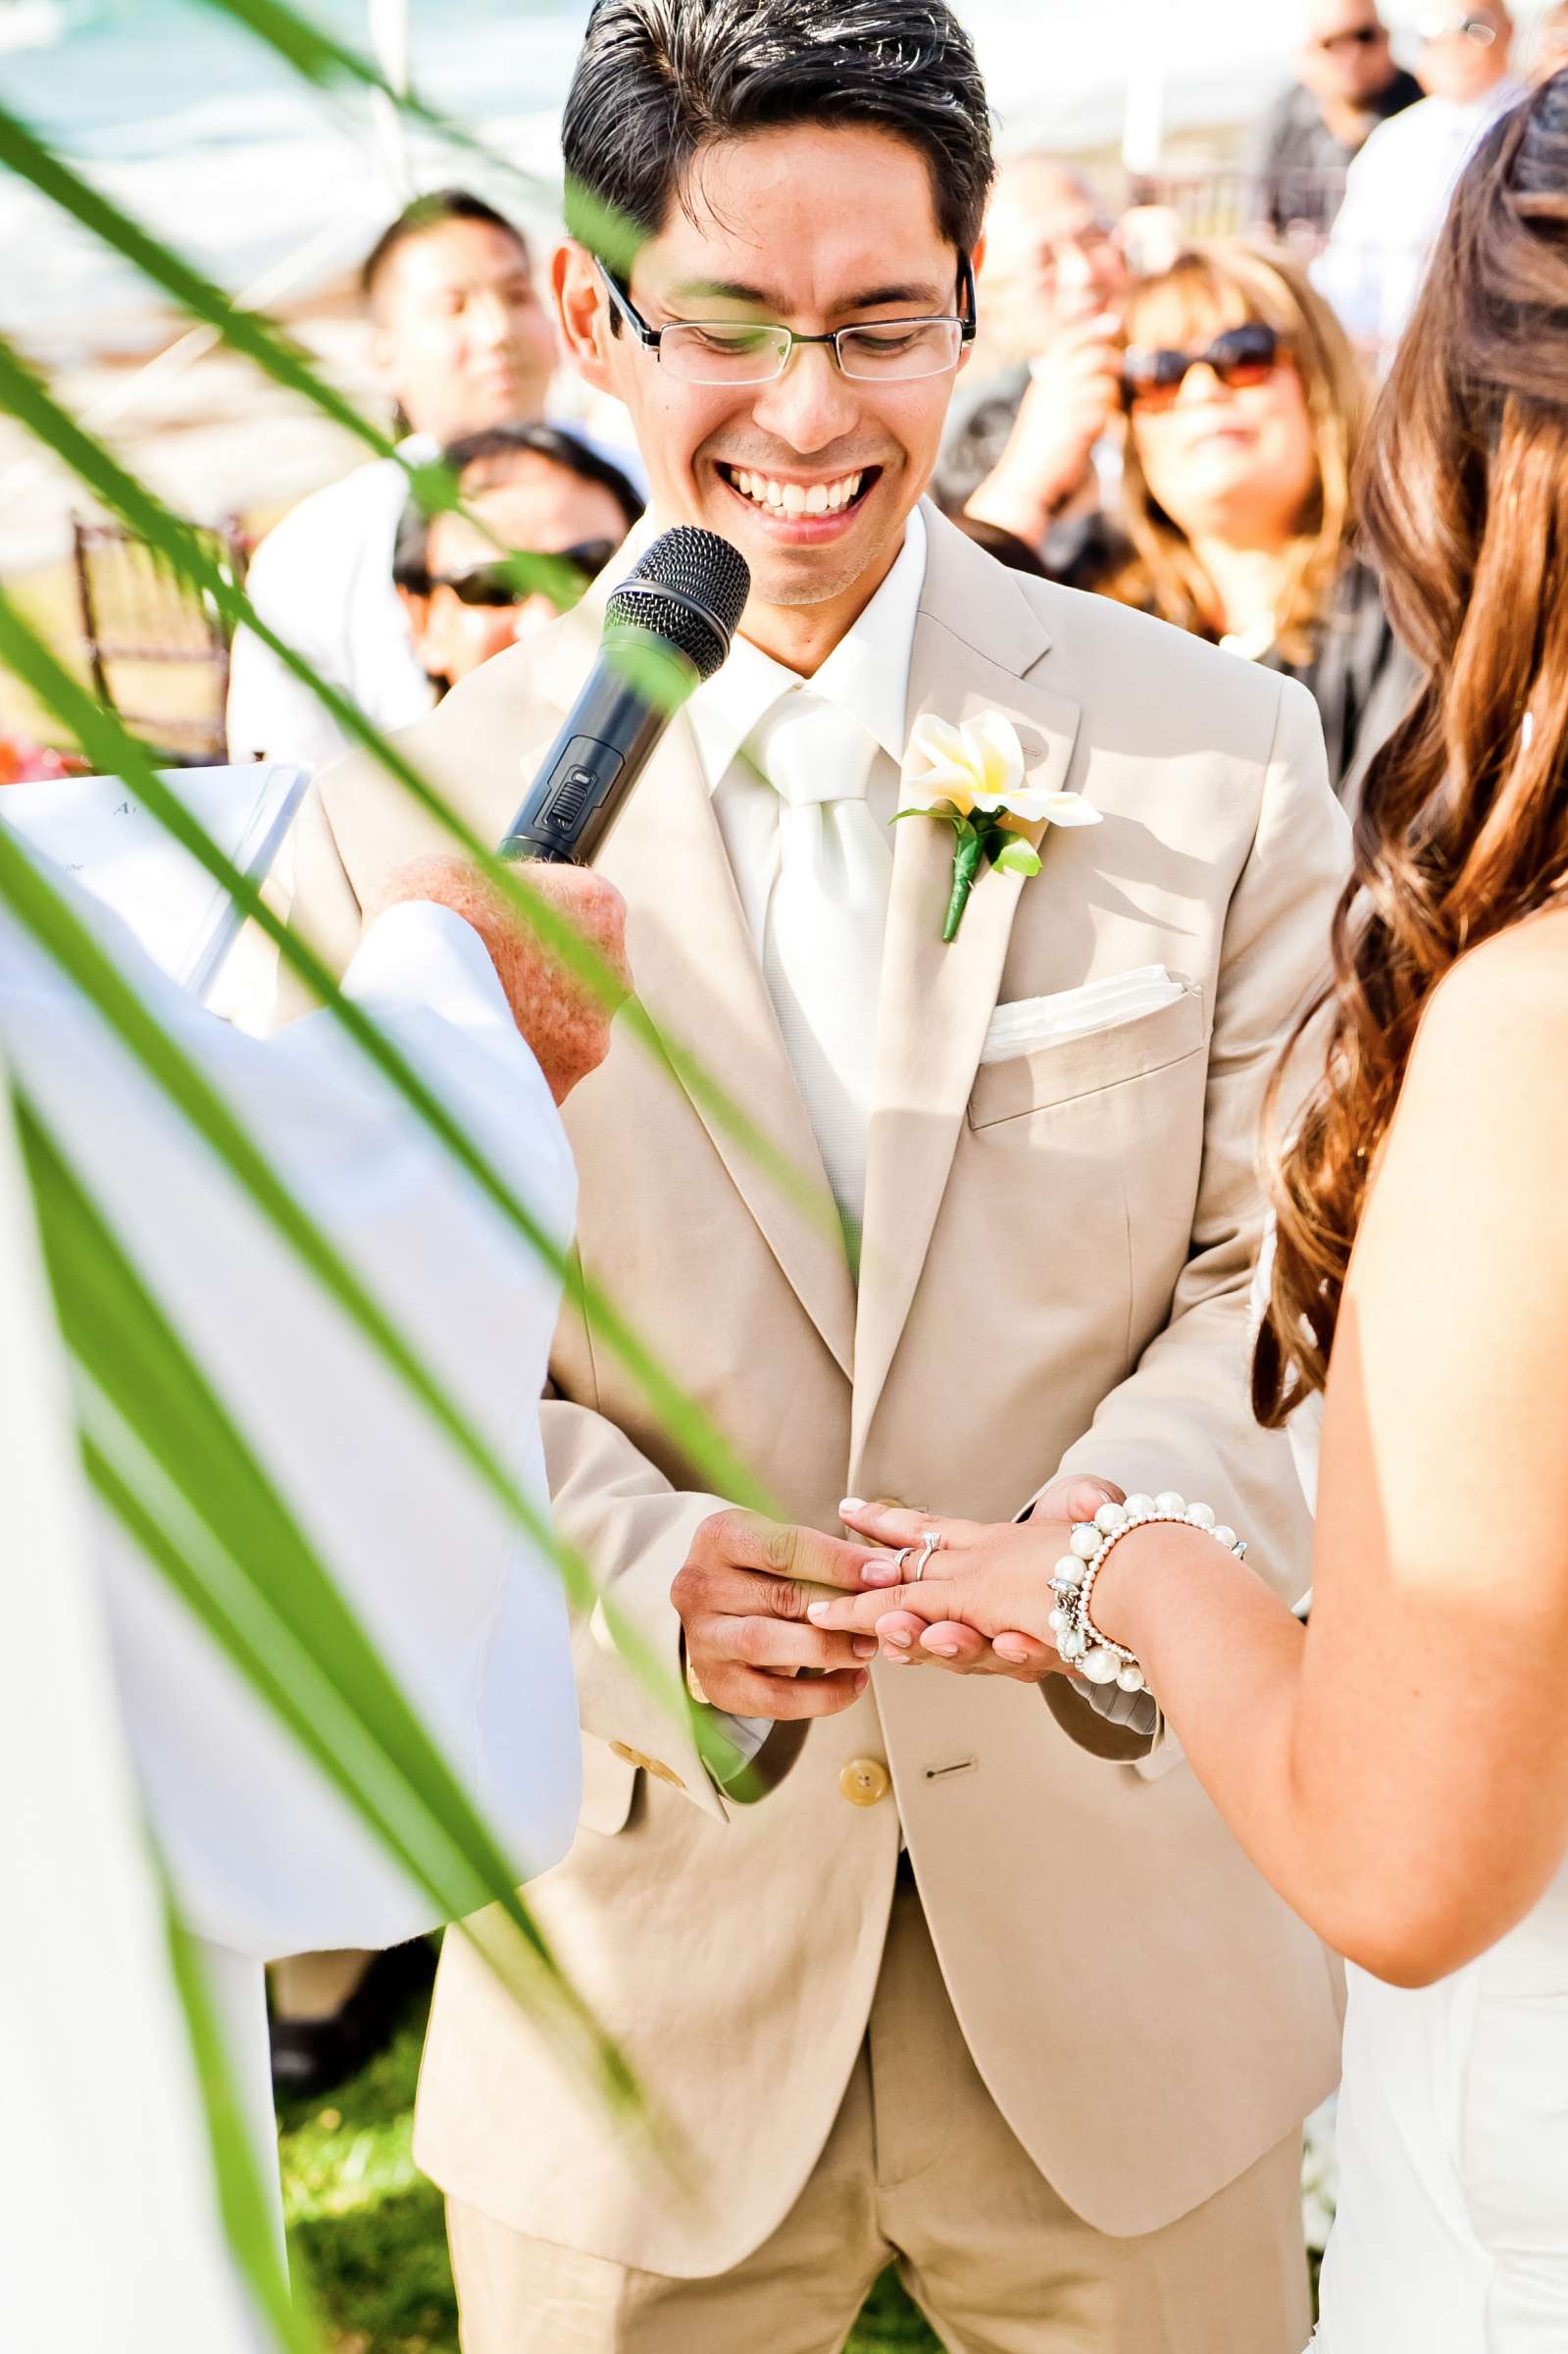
(697, 974)
(936, 1001)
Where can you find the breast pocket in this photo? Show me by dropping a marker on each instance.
(1060, 1073)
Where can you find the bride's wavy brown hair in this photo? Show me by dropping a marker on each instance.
(1463, 827)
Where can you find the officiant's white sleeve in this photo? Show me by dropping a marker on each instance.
(268, 1859)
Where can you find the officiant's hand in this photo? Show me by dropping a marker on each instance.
(982, 1606)
(742, 1597)
(566, 1025)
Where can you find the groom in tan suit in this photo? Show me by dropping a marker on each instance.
(984, 1987)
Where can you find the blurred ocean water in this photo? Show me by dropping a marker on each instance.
(189, 121)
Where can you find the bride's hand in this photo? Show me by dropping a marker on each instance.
(982, 1606)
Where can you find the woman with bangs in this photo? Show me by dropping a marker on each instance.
(1244, 413)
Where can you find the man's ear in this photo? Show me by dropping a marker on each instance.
(581, 312)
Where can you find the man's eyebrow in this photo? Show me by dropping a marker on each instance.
(762, 298)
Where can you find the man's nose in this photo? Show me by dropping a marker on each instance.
(812, 404)
(490, 320)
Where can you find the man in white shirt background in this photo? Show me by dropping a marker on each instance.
(463, 343)
(1401, 183)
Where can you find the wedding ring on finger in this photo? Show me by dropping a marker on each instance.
(931, 1542)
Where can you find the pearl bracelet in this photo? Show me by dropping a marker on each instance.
(1086, 1650)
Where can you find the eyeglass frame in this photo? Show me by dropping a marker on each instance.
(494, 570)
(1136, 394)
(651, 337)
(1355, 37)
(1473, 29)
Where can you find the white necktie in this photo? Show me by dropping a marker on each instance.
(827, 912)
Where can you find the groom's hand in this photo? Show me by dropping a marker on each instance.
(743, 1598)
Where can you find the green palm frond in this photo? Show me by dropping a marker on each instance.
(191, 560)
(243, 2205)
(171, 1463)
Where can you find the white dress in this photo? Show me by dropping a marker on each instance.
(1451, 2235)
(1452, 2230)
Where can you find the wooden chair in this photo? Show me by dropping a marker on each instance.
(157, 657)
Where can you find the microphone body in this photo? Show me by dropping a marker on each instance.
(667, 629)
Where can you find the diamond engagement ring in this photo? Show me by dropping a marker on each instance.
(931, 1542)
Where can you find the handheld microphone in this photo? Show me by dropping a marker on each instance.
(667, 629)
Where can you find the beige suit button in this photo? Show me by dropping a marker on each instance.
(661, 1774)
(865, 1781)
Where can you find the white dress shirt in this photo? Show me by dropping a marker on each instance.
(866, 677)
(323, 579)
(1396, 198)
(113, 1700)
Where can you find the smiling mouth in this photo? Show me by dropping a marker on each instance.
(795, 502)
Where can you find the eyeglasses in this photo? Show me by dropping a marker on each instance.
(1242, 356)
(1475, 30)
(495, 584)
(1359, 36)
(746, 351)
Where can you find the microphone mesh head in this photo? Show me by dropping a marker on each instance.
(690, 590)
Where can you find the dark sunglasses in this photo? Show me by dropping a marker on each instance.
(1241, 356)
(1361, 36)
(493, 585)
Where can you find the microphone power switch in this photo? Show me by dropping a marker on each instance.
(587, 770)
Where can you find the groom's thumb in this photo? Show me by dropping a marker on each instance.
(1077, 1496)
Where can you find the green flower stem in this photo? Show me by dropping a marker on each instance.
(966, 873)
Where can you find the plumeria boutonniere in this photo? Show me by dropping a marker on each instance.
(972, 778)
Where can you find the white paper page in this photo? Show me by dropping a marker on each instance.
(95, 829)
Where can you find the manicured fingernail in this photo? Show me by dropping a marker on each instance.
(865, 1646)
(943, 1651)
(817, 1612)
(853, 1504)
(881, 1573)
(1010, 1651)
(899, 1640)
(897, 1658)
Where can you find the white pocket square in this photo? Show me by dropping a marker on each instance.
(1079, 1012)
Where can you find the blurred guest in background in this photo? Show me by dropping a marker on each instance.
(463, 345)
(1552, 43)
(527, 489)
(1042, 392)
(1245, 407)
(1346, 83)
(1400, 185)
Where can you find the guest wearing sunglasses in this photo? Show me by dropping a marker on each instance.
(1346, 83)
(544, 516)
(1245, 409)
(1400, 186)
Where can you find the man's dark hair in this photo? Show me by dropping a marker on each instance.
(431, 212)
(411, 553)
(659, 79)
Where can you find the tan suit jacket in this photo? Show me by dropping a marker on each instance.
(1056, 1261)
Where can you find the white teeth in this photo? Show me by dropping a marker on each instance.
(797, 498)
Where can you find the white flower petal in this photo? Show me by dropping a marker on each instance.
(935, 742)
(1000, 756)
(1071, 809)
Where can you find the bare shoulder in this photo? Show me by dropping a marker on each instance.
(1484, 1104)
(1503, 1008)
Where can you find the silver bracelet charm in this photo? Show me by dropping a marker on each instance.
(1087, 1651)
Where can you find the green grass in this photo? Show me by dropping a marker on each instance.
(367, 2231)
